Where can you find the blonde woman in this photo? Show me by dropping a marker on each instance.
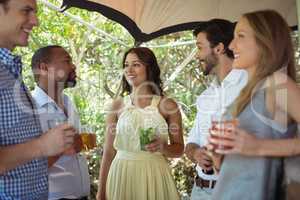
(266, 109)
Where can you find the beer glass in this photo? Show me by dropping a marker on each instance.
(88, 138)
(222, 123)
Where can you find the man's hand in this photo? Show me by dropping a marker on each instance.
(76, 147)
(203, 159)
(57, 140)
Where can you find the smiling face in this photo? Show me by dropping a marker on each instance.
(16, 22)
(134, 70)
(244, 47)
(205, 55)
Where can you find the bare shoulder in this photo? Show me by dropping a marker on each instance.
(283, 80)
(168, 105)
(116, 104)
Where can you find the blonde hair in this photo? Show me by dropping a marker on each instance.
(272, 35)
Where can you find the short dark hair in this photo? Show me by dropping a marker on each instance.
(42, 55)
(152, 69)
(218, 31)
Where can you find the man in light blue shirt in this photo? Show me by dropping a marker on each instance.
(54, 71)
(213, 39)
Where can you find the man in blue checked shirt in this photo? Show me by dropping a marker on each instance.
(23, 147)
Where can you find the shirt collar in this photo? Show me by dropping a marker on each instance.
(12, 62)
(233, 77)
(41, 97)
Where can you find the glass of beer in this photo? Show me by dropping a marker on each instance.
(88, 138)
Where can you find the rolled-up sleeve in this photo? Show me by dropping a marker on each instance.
(194, 134)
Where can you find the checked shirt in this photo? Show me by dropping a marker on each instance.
(19, 124)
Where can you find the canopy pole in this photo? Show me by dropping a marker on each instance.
(180, 67)
(298, 17)
(78, 19)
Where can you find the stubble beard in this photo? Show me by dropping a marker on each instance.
(211, 62)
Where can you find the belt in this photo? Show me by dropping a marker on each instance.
(200, 182)
(81, 198)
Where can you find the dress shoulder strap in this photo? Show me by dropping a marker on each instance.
(155, 101)
(127, 101)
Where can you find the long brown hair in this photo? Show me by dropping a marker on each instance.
(272, 35)
(152, 69)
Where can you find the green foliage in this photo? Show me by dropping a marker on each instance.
(183, 172)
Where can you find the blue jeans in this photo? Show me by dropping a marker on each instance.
(199, 193)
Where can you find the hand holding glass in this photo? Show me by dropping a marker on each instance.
(220, 124)
(53, 123)
(147, 135)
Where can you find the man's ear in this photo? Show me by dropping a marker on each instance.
(43, 68)
(219, 49)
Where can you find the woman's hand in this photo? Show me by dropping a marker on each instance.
(157, 145)
(233, 141)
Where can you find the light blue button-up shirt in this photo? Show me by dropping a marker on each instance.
(68, 177)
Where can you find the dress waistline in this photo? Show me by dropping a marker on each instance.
(142, 155)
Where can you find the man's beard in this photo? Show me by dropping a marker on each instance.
(207, 69)
(210, 62)
(70, 82)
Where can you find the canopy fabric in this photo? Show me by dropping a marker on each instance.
(148, 19)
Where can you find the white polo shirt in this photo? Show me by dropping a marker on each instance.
(216, 98)
(68, 176)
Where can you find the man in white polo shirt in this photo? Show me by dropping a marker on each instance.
(54, 71)
(213, 39)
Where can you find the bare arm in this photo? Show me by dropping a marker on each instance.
(281, 147)
(109, 151)
(241, 142)
(51, 143)
(171, 112)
